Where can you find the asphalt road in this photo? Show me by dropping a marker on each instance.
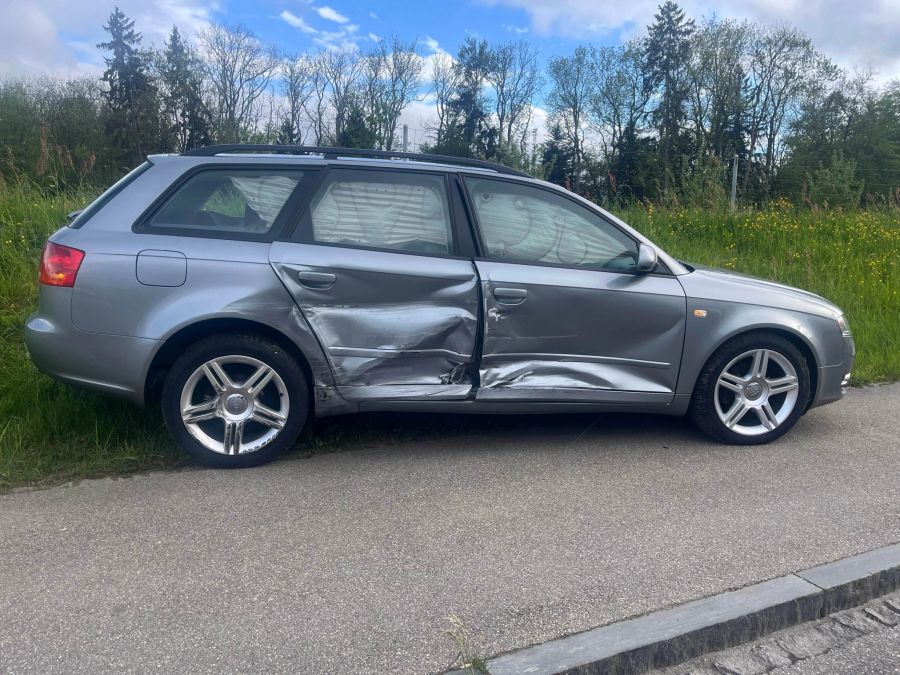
(526, 528)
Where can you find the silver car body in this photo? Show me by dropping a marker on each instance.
(388, 330)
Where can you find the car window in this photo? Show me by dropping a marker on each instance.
(523, 223)
(240, 201)
(94, 207)
(392, 210)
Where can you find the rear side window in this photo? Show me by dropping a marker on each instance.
(392, 210)
(239, 201)
(85, 214)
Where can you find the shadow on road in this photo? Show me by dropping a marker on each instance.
(350, 432)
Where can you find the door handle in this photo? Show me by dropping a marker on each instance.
(510, 296)
(317, 280)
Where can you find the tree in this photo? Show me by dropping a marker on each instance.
(620, 97)
(132, 120)
(667, 53)
(239, 70)
(515, 77)
(358, 131)
(185, 115)
(718, 80)
(466, 130)
(341, 69)
(556, 156)
(784, 67)
(391, 83)
(297, 87)
(569, 99)
(444, 82)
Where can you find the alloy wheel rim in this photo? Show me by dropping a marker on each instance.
(234, 405)
(760, 385)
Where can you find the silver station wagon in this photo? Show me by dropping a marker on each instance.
(249, 287)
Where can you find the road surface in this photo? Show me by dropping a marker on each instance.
(526, 528)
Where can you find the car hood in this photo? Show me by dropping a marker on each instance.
(710, 282)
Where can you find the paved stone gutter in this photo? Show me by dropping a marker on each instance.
(790, 646)
(672, 636)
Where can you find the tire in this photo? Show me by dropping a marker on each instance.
(745, 394)
(245, 417)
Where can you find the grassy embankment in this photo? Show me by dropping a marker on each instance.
(51, 432)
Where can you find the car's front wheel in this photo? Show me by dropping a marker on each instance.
(752, 390)
(235, 401)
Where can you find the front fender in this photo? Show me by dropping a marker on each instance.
(723, 320)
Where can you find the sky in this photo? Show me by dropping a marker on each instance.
(59, 37)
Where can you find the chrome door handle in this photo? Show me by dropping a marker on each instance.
(510, 296)
(317, 280)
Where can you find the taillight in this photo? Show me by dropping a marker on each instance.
(59, 264)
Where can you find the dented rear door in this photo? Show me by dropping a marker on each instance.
(374, 270)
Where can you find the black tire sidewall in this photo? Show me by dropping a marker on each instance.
(703, 410)
(270, 353)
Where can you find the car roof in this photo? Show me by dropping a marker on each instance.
(294, 154)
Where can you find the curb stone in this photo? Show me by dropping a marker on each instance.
(772, 654)
(672, 636)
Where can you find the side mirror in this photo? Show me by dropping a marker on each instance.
(646, 258)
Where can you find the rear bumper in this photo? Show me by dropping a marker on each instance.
(835, 380)
(110, 364)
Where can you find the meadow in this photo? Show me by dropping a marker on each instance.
(50, 432)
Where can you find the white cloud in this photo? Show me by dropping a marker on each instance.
(432, 45)
(518, 30)
(373, 15)
(342, 38)
(858, 34)
(296, 22)
(374, 38)
(329, 14)
(33, 35)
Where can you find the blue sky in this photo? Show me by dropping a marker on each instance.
(446, 23)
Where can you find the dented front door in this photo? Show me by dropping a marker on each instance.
(579, 335)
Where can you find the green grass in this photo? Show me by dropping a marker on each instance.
(50, 432)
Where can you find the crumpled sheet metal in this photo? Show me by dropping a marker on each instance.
(549, 371)
(590, 338)
(407, 330)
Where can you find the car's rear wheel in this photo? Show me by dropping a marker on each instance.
(752, 390)
(235, 401)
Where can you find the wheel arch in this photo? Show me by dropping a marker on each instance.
(795, 337)
(184, 337)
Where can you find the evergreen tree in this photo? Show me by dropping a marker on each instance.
(557, 157)
(668, 52)
(358, 130)
(186, 118)
(132, 114)
(467, 132)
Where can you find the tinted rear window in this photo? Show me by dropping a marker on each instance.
(111, 192)
(241, 201)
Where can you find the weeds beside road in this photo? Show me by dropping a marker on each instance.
(51, 432)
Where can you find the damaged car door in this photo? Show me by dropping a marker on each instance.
(373, 267)
(567, 315)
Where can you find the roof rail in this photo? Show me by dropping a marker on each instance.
(334, 153)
